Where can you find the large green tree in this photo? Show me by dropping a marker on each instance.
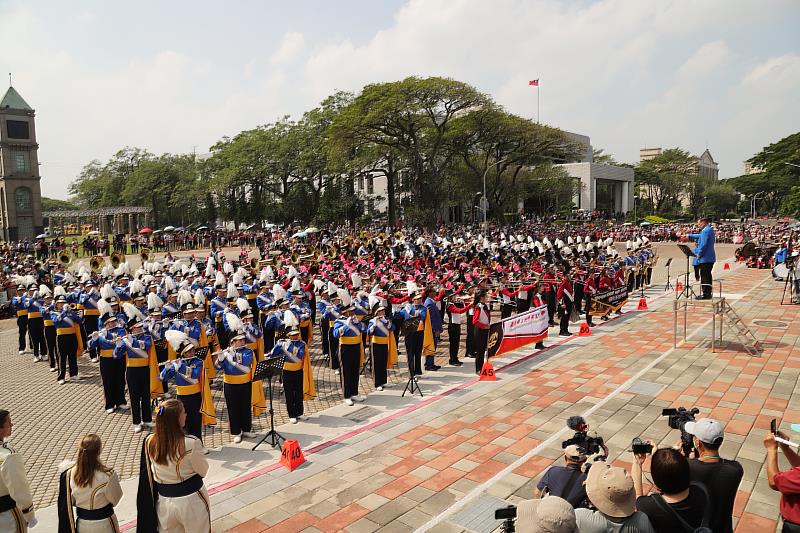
(663, 180)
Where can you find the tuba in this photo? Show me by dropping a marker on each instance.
(117, 258)
(145, 255)
(96, 263)
(253, 263)
(65, 259)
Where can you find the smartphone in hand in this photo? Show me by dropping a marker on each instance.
(773, 426)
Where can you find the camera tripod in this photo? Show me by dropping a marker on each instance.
(788, 285)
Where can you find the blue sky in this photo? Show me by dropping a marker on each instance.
(169, 76)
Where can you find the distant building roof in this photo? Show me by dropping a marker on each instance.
(13, 100)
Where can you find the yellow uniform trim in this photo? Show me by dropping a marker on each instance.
(293, 366)
(48, 323)
(186, 390)
(350, 340)
(91, 312)
(35, 314)
(65, 331)
(23, 312)
(136, 362)
(107, 353)
(379, 340)
(236, 379)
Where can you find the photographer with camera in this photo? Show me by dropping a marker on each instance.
(610, 490)
(581, 439)
(565, 481)
(547, 515)
(720, 476)
(683, 505)
(787, 483)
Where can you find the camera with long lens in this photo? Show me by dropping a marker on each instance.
(677, 419)
(581, 439)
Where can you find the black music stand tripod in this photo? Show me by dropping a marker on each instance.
(412, 385)
(688, 252)
(268, 369)
(668, 286)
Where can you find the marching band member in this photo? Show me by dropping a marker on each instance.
(331, 315)
(49, 328)
(108, 343)
(589, 290)
(347, 330)
(236, 362)
(566, 300)
(20, 305)
(193, 388)
(91, 488)
(538, 300)
(457, 311)
(36, 323)
(298, 381)
(172, 496)
(481, 320)
(91, 314)
(507, 295)
(16, 500)
(323, 303)
(141, 369)
(66, 321)
(383, 349)
(303, 312)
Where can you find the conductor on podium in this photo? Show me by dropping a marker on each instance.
(704, 255)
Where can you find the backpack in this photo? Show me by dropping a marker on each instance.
(703, 528)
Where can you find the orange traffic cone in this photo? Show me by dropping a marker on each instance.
(292, 455)
(726, 267)
(585, 330)
(642, 304)
(487, 372)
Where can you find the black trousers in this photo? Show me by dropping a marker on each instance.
(325, 327)
(138, 378)
(293, 392)
(333, 346)
(414, 352)
(269, 340)
(238, 399)
(67, 353)
(22, 324)
(481, 340)
(454, 334)
(194, 420)
(90, 325)
(550, 298)
(112, 372)
(586, 307)
(470, 338)
(706, 280)
(222, 335)
(52, 348)
(398, 326)
(162, 354)
(563, 316)
(36, 329)
(380, 356)
(505, 310)
(523, 304)
(350, 358)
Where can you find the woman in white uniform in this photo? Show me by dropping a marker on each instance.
(92, 488)
(172, 497)
(16, 501)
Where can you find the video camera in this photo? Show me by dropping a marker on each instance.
(677, 420)
(507, 515)
(581, 439)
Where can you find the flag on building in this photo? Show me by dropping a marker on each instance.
(535, 82)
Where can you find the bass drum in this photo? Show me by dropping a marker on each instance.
(779, 272)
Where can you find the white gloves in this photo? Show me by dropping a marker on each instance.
(32, 522)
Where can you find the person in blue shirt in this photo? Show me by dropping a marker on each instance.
(20, 305)
(324, 325)
(704, 255)
(779, 256)
(65, 319)
(331, 313)
(50, 331)
(236, 362)
(186, 372)
(293, 351)
(88, 302)
(380, 329)
(414, 339)
(347, 330)
(36, 323)
(137, 346)
(107, 342)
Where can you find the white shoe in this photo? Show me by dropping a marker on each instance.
(22, 352)
(348, 401)
(137, 428)
(61, 382)
(293, 420)
(149, 425)
(110, 410)
(53, 369)
(359, 398)
(77, 377)
(237, 439)
(380, 388)
(248, 435)
(66, 378)
(35, 358)
(123, 406)
(337, 370)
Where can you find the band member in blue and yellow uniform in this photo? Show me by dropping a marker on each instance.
(16, 499)
(142, 369)
(91, 314)
(49, 331)
(171, 495)
(303, 312)
(36, 323)
(67, 322)
(108, 342)
(419, 342)
(217, 308)
(192, 387)
(332, 313)
(347, 330)
(298, 381)
(383, 349)
(20, 305)
(323, 303)
(237, 362)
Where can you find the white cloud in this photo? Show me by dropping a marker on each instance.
(290, 47)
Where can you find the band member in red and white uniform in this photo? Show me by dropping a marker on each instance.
(566, 299)
(589, 290)
(457, 313)
(507, 296)
(481, 320)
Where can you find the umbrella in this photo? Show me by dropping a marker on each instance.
(645, 223)
(312, 229)
(41, 236)
(180, 228)
(300, 234)
(627, 224)
(157, 231)
(202, 228)
(93, 232)
(145, 230)
(169, 228)
(268, 226)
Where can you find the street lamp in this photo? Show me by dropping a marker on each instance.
(753, 204)
(635, 218)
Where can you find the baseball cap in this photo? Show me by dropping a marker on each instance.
(707, 430)
(574, 452)
(610, 489)
(550, 514)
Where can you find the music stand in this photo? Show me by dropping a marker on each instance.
(688, 252)
(668, 286)
(268, 369)
(412, 384)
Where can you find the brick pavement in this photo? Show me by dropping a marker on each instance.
(419, 471)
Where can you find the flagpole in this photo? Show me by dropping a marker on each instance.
(538, 116)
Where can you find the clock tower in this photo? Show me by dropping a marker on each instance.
(20, 192)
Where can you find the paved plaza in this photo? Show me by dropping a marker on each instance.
(445, 461)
